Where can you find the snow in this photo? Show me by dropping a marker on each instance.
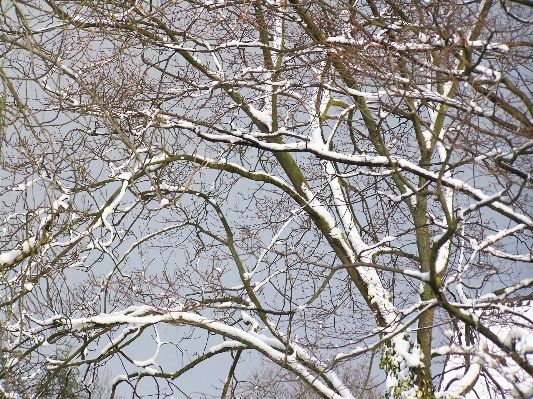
(449, 333)
(466, 380)
(227, 345)
(124, 176)
(318, 208)
(418, 275)
(491, 239)
(150, 371)
(518, 339)
(493, 75)
(125, 333)
(273, 242)
(475, 107)
(399, 198)
(120, 377)
(225, 305)
(236, 43)
(60, 203)
(498, 47)
(145, 363)
(250, 320)
(405, 356)
(106, 211)
(68, 70)
(339, 386)
(522, 390)
(24, 186)
(261, 284)
(262, 117)
(28, 286)
(428, 136)
(8, 257)
(374, 95)
(28, 245)
(186, 125)
(340, 39)
(258, 69)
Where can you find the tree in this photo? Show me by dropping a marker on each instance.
(67, 382)
(308, 182)
(269, 382)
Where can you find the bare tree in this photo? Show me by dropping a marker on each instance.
(308, 182)
(271, 382)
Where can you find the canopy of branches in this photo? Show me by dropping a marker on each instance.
(322, 185)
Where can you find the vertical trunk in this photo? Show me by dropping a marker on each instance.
(425, 322)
